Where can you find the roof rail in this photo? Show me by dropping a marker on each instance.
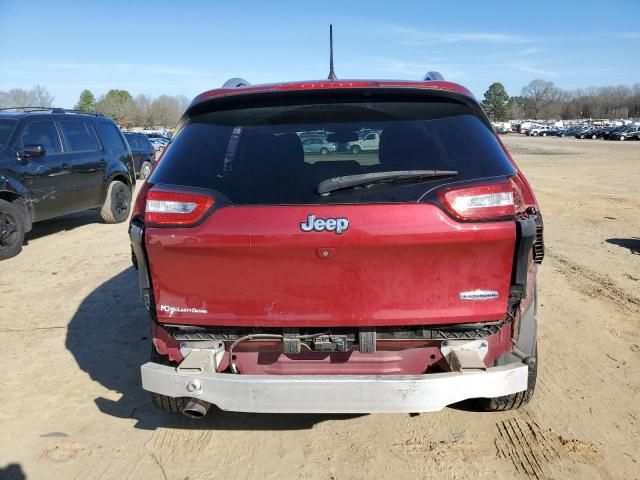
(235, 83)
(433, 76)
(51, 109)
(26, 108)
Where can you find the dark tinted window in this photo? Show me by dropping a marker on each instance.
(6, 127)
(133, 141)
(144, 143)
(42, 133)
(78, 136)
(111, 139)
(256, 156)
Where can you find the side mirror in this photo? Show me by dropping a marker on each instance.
(33, 150)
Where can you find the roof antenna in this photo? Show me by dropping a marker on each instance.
(332, 74)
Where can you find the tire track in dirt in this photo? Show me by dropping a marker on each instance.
(593, 284)
(533, 450)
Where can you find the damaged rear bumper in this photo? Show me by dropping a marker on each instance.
(336, 393)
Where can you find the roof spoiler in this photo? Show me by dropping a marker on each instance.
(433, 76)
(235, 83)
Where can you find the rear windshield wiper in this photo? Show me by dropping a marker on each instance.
(365, 179)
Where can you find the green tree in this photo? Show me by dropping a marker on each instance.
(86, 102)
(495, 102)
(119, 105)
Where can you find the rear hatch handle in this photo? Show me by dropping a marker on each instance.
(136, 234)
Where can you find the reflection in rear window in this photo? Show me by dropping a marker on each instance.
(279, 155)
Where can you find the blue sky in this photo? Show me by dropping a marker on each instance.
(186, 47)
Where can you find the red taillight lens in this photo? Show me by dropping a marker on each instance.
(488, 201)
(165, 207)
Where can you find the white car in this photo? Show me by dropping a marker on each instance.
(370, 141)
(540, 131)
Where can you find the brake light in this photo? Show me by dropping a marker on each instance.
(165, 207)
(489, 201)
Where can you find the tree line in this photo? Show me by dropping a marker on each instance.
(128, 111)
(541, 99)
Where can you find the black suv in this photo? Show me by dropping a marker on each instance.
(54, 162)
(143, 153)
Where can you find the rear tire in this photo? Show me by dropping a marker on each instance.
(12, 226)
(515, 400)
(355, 149)
(163, 402)
(324, 151)
(117, 204)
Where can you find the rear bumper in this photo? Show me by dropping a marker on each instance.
(335, 394)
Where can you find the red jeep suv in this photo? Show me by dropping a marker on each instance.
(397, 279)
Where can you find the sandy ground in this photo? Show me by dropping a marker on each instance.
(74, 333)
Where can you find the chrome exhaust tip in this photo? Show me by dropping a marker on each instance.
(196, 408)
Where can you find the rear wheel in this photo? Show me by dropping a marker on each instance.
(12, 223)
(163, 402)
(621, 138)
(117, 204)
(145, 170)
(355, 149)
(515, 400)
(324, 151)
(593, 137)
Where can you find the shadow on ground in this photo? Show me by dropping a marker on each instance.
(109, 339)
(633, 244)
(66, 223)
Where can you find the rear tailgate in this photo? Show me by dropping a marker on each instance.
(395, 265)
(403, 259)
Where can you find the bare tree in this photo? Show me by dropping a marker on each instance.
(538, 94)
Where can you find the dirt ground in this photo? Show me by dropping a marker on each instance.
(74, 333)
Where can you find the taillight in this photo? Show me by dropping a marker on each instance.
(166, 207)
(523, 196)
(487, 201)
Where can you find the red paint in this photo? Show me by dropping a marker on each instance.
(400, 264)
(328, 85)
(397, 265)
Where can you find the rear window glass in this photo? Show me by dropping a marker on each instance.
(133, 141)
(111, 139)
(78, 136)
(279, 154)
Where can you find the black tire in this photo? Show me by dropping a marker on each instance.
(145, 170)
(117, 204)
(12, 226)
(355, 149)
(324, 151)
(163, 402)
(515, 400)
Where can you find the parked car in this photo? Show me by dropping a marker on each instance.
(369, 142)
(318, 145)
(612, 131)
(539, 131)
(158, 145)
(54, 162)
(587, 132)
(399, 281)
(143, 153)
(628, 133)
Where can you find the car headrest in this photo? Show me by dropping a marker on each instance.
(404, 148)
